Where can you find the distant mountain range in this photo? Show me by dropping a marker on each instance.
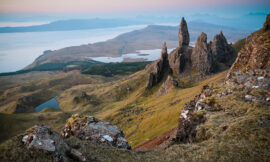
(75, 24)
(251, 21)
(151, 37)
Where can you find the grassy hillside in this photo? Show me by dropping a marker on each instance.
(42, 89)
(239, 133)
(138, 112)
(111, 69)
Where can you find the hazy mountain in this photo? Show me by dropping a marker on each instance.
(151, 37)
(74, 24)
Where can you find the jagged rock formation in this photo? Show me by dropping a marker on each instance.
(252, 66)
(221, 50)
(202, 58)
(250, 71)
(167, 86)
(183, 34)
(41, 137)
(179, 58)
(158, 68)
(189, 121)
(97, 131)
(266, 25)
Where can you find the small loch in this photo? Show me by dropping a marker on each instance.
(52, 103)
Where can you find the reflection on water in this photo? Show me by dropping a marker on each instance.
(52, 103)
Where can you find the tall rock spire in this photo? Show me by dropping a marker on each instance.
(222, 51)
(164, 52)
(183, 34)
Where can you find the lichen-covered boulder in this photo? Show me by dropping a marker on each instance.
(41, 137)
(97, 131)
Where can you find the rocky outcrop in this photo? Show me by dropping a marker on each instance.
(250, 71)
(23, 104)
(252, 65)
(192, 116)
(221, 50)
(183, 34)
(97, 131)
(85, 98)
(266, 25)
(184, 60)
(202, 58)
(41, 137)
(158, 68)
(179, 60)
(167, 86)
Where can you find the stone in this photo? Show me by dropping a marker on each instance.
(158, 68)
(202, 58)
(221, 50)
(167, 86)
(266, 25)
(183, 34)
(42, 137)
(96, 131)
(253, 59)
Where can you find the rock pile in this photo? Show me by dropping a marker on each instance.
(43, 138)
(97, 131)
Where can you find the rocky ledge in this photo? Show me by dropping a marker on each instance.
(96, 131)
(42, 137)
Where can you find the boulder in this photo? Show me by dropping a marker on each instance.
(97, 131)
(41, 137)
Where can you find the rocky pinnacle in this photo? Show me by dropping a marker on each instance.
(164, 53)
(183, 34)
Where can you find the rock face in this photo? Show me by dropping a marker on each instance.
(251, 70)
(221, 50)
(97, 131)
(182, 61)
(183, 34)
(158, 68)
(43, 138)
(190, 118)
(202, 58)
(266, 25)
(179, 59)
(252, 65)
(167, 86)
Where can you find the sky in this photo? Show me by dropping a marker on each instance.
(44, 11)
(117, 6)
